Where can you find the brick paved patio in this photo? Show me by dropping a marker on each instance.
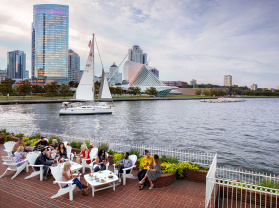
(35, 193)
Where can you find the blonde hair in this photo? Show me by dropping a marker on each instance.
(55, 140)
(66, 165)
(20, 149)
(83, 147)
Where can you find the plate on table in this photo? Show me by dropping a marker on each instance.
(111, 176)
(102, 180)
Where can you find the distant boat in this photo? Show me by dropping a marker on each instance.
(85, 92)
(223, 100)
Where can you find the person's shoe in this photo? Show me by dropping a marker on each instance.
(151, 186)
(84, 192)
(84, 186)
(49, 174)
(45, 178)
(141, 182)
(119, 180)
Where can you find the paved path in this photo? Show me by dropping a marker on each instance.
(35, 193)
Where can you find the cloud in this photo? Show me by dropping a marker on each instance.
(184, 39)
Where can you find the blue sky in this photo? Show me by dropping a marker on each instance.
(185, 39)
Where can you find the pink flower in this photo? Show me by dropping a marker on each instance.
(238, 180)
(207, 165)
(193, 161)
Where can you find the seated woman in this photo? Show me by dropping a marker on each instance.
(62, 152)
(101, 161)
(152, 174)
(146, 163)
(67, 175)
(19, 155)
(84, 154)
(53, 148)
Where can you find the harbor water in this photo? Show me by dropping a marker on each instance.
(244, 134)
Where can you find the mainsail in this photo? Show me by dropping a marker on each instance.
(85, 90)
(104, 92)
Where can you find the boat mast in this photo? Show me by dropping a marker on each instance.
(93, 87)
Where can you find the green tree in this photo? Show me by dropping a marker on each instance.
(206, 92)
(134, 91)
(112, 90)
(118, 90)
(198, 92)
(25, 88)
(6, 87)
(37, 89)
(52, 89)
(65, 90)
(151, 91)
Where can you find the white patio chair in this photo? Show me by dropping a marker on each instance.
(70, 155)
(57, 174)
(8, 147)
(65, 143)
(12, 165)
(92, 154)
(125, 174)
(91, 165)
(31, 157)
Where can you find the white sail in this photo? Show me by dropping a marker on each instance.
(104, 92)
(85, 90)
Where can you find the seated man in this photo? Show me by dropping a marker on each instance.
(124, 163)
(20, 143)
(42, 159)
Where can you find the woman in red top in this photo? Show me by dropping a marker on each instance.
(84, 154)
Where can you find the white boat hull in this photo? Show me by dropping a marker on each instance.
(86, 110)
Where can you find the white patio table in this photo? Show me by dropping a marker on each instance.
(101, 175)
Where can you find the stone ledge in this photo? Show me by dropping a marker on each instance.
(198, 176)
(165, 180)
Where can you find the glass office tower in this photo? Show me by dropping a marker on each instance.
(16, 64)
(50, 44)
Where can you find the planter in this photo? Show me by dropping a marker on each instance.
(110, 159)
(75, 150)
(137, 165)
(165, 180)
(195, 175)
(14, 139)
(2, 138)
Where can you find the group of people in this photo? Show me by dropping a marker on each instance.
(54, 152)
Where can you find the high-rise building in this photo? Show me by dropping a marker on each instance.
(228, 80)
(3, 75)
(193, 82)
(50, 44)
(73, 66)
(136, 54)
(16, 64)
(155, 72)
(113, 76)
(253, 86)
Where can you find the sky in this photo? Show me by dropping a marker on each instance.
(184, 39)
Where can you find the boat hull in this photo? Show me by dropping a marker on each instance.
(85, 111)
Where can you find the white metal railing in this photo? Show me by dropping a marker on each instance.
(243, 188)
(210, 183)
(203, 159)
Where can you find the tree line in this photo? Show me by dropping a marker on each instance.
(53, 89)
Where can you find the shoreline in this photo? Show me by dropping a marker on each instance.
(12, 102)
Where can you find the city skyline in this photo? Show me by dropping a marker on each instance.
(185, 40)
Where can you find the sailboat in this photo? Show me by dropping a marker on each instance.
(85, 92)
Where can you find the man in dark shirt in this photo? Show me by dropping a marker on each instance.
(42, 159)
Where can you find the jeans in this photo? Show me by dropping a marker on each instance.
(77, 182)
(141, 174)
(97, 168)
(121, 170)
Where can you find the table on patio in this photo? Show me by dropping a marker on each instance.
(105, 174)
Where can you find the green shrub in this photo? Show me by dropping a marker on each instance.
(169, 159)
(110, 152)
(117, 157)
(6, 137)
(54, 137)
(104, 146)
(76, 144)
(134, 152)
(269, 184)
(19, 135)
(179, 167)
(3, 131)
(140, 162)
(87, 143)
